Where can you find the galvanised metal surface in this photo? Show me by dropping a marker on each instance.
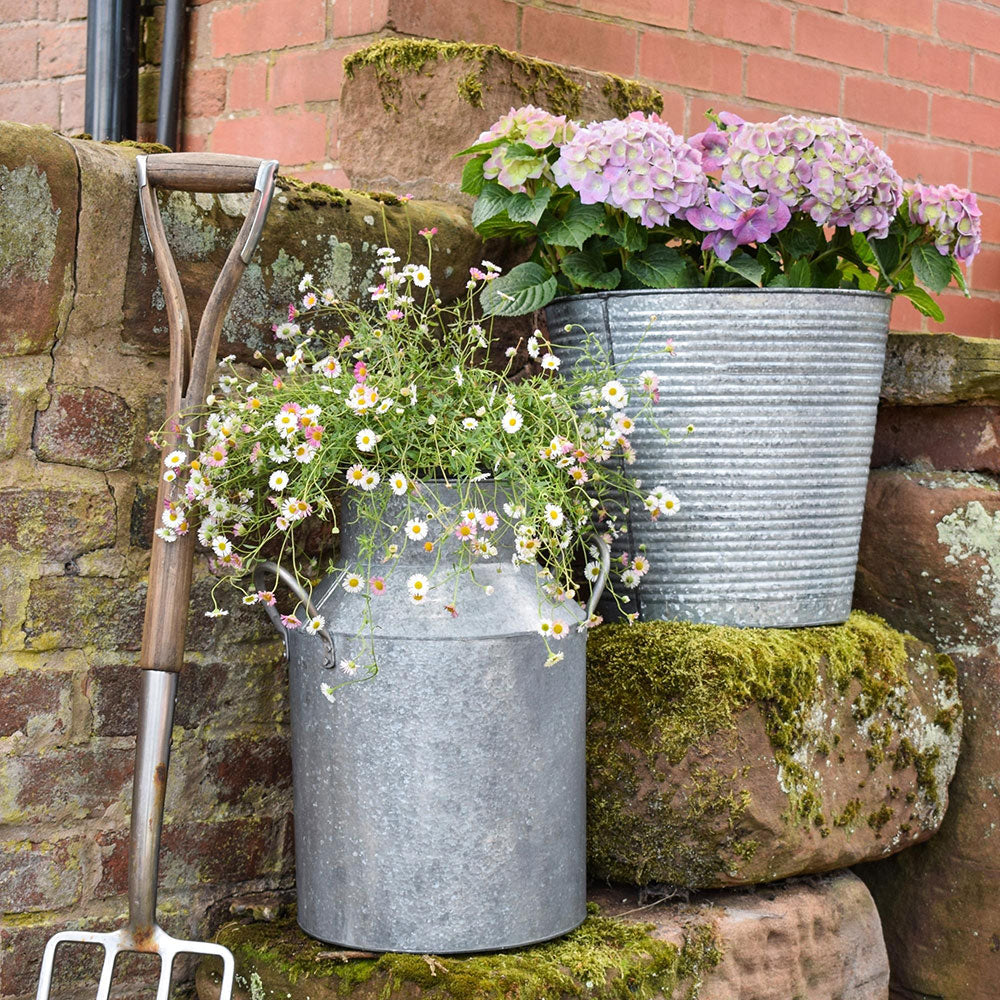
(781, 387)
(440, 806)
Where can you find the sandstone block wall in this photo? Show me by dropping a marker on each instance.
(83, 361)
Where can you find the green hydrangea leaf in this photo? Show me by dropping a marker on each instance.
(472, 176)
(661, 267)
(959, 276)
(631, 235)
(574, 229)
(588, 270)
(525, 209)
(745, 266)
(933, 269)
(923, 301)
(523, 289)
(492, 200)
(886, 254)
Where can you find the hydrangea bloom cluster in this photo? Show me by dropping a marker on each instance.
(819, 166)
(529, 131)
(638, 164)
(953, 215)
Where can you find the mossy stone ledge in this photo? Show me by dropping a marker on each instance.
(806, 939)
(408, 105)
(721, 756)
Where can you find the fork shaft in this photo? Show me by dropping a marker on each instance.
(152, 760)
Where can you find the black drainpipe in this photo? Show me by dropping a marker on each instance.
(112, 92)
(171, 73)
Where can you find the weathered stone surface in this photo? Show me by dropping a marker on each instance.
(38, 214)
(957, 437)
(811, 940)
(23, 389)
(398, 92)
(86, 426)
(930, 555)
(930, 368)
(39, 876)
(55, 517)
(331, 234)
(739, 756)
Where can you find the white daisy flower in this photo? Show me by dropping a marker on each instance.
(630, 579)
(286, 423)
(222, 546)
(416, 529)
(327, 691)
(349, 667)
(470, 423)
(592, 571)
(353, 583)
(173, 518)
(169, 476)
(366, 439)
(279, 454)
(278, 480)
(512, 421)
(641, 565)
(614, 393)
(355, 475)
(421, 276)
(554, 516)
(545, 627)
(533, 349)
(559, 630)
(304, 453)
(398, 483)
(550, 362)
(175, 460)
(315, 624)
(370, 481)
(418, 585)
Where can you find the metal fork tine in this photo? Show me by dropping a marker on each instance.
(166, 968)
(104, 987)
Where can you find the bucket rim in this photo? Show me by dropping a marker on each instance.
(771, 290)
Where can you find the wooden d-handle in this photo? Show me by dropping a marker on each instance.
(214, 173)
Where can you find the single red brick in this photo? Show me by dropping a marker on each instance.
(35, 701)
(881, 103)
(492, 21)
(917, 15)
(18, 54)
(662, 13)
(927, 62)
(986, 271)
(71, 10)
(986, 173)
(836, 40)
(292, 138)
(964, 120)
(204, 92)
(62, 51)
(959, 22)
(361, 17)
(687, 63)
(72, 93)
(247, 85)
(31, 103)
(17, 11)
(39, 876)
(753, 22)
(578, 41)
(245, 768)
(47, 10)
(990, 220)
(63, 785)
(975, 317)
(87, 427)
(267, 25)
(986, 76)
(837, 6)
(57, 522)
(792, 84)
(929, 161)
(309, 76)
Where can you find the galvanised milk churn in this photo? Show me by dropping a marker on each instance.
(439, 805)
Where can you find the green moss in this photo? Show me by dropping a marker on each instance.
(313, 193)
(603, 958)
(625, 96)
(659, 688)
(946, 718)
(924, 763)
(879, 818)
(945, 667)
(143, 147)
(849, 814)
(536, 81)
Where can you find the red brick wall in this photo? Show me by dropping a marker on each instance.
(264, 76)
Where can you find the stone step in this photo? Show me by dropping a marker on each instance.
(805, 939)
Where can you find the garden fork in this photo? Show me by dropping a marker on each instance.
(190, 374)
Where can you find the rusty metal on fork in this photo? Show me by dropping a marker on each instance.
(190, 372)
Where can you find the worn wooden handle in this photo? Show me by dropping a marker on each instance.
(215, 173)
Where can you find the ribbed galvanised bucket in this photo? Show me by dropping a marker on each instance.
(781, 388)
